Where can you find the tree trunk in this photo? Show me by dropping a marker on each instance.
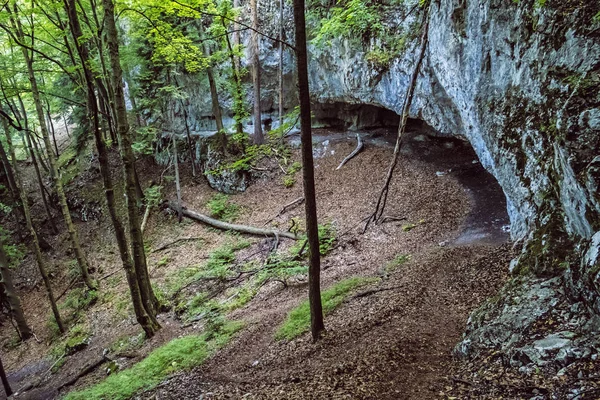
(258, 133)
(150, 301)
(238, 95)
(189, 139)
(177, 183)
(66, 126)
(10, 294)
(14, 190)
(148, 322)
(41, 184)
(280, 63)
(36, 244)
(214, 95)
(5, 383)
(58, 187)
(312, 230)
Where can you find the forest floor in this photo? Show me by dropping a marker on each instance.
(390, 339)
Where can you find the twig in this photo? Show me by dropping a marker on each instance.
(358, 148)
(286, 208)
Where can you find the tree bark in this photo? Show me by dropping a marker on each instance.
(10, 294)
(41, 184)
(312, 230)
(5, 383)
(238, 95)
(258, 133)
(177, 183)
(280, 63)
(149, 300)
(148, 322)
(36, 244)
(58, 187)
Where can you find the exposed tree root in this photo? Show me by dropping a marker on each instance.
(358, 148)
(251, 230)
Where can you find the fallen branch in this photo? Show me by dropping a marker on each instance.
(358, 148)
(287, 207)
(251, 230)
(382, 200)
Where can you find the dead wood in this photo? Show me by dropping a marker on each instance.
(251, 230)
(382, 200)
(292, 204)
(358, 148)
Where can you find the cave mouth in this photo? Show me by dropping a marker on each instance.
(448, 156)
(353, 117)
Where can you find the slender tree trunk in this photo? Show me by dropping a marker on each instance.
(51, 124)
(238, 95)
(66, 126)
(312, 230)
(214, 95)
(36, 244)
(14, 190)
(58, 187)
(236, 36)
(258, 133)
(148, 322)
(4, 379)
(14, 303)
(137, 242)
(189, 139)
(33, 145)
(281, 63)
(177, 183)
(41, 184)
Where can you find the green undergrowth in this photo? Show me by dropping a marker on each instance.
(298, 320)
(392, 265)
(180, 354)
(222, 208)
(72, 308)
(327, 238)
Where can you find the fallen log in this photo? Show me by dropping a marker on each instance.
(358, 148)
(251, 230)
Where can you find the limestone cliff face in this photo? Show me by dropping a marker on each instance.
(521, 82)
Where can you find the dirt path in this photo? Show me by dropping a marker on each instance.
(392, 344)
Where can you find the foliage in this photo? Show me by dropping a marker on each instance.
(298, 320)
(14, 252)
(145, 139)
(178, 355)
(327, 238)
(77, 301)
(350, 19)
(222, 208)
(128, 343)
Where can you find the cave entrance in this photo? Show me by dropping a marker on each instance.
(345, 116)
(448, 156)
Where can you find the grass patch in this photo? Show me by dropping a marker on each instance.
(399, 260)
(327, 238)
(298, 320)
(177, 355)
(222, 208)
